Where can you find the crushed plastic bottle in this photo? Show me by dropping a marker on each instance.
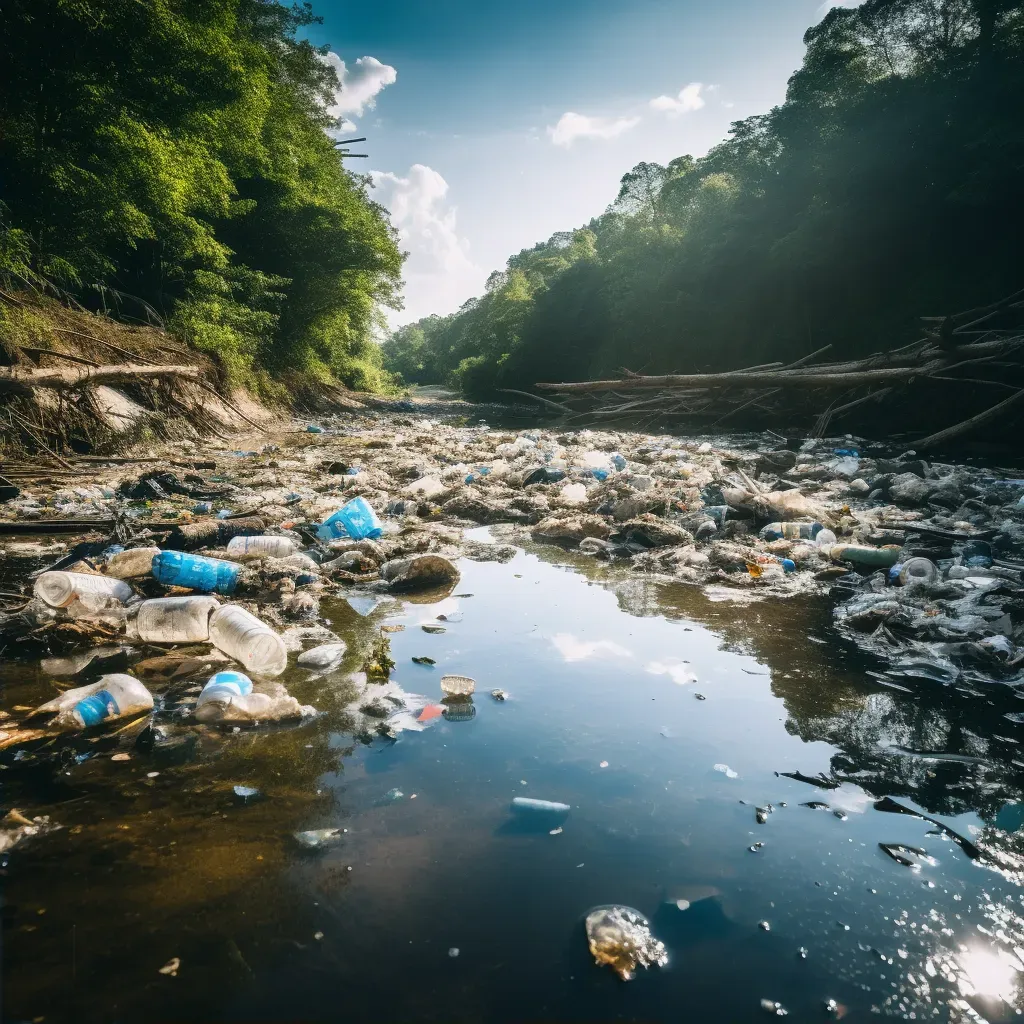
(222, 702)
(174, 620)
(242, 636)
(621, 937)
(60, 589)
(197, 572)
(275, 547)
(355, 519)
(112, 697)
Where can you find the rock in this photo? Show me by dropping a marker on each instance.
(420, 571)
(570, 530)
(775, 462)
(910, 490)
(652, 532)
(480, 510)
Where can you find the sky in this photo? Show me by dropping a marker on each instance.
(491, 126)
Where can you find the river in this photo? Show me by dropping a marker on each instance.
(663, 714)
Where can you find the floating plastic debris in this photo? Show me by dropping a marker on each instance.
(726, 771)
(621, 937)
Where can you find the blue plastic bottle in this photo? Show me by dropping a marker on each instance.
(223, 686)
(355, 519)
(197, 572)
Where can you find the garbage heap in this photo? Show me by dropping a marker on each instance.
(925, 558)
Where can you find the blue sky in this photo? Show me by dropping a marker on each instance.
(490, 126)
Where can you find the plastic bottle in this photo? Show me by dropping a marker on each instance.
(114, 696)
(223, 688)
(125, 565)
(59, 589)
(863, 554)
(276, 547)
(527, 805)
(175, 620)
(918, 571)
(791, 531)
(356, 519)
(825, 539)
(243, 637)
(177, 569)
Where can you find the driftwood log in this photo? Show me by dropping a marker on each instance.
(984, 360)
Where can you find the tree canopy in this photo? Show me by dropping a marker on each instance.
(172, 156)
(885, 187)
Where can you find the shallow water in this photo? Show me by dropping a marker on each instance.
(603, 669)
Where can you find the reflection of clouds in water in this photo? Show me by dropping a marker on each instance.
(572, 648)
(679, 671)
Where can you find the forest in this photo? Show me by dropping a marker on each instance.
(886, 187)
(170, 162)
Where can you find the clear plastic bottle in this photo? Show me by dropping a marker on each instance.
(276, 547)
(60, 589)
(174, 620)
(243, 637)
(791, 531)
(918, 572)
(114, 696)
(134, 562)
(178, 569)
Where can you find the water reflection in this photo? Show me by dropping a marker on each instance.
(669, 795)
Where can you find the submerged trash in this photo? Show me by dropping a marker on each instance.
(317, 838)
(323, 657)
(499, 695)
(621, 938)
(113, 697)
(527, 805)
(222, 702)
(774, 1008)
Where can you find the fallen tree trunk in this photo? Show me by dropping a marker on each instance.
(767, 379)
(21, 381)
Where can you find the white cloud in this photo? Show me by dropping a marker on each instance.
(573, 649)
(360, 85)
(689, 99)
(439, 273)
(678, 671)
(573, 126)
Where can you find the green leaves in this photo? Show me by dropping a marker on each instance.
(176, 151)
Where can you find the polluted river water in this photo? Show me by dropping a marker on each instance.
(663, 718)
(733, 771)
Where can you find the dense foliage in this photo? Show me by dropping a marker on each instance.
(171, 156)
(886, 187)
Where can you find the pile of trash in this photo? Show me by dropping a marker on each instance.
(235, 564)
